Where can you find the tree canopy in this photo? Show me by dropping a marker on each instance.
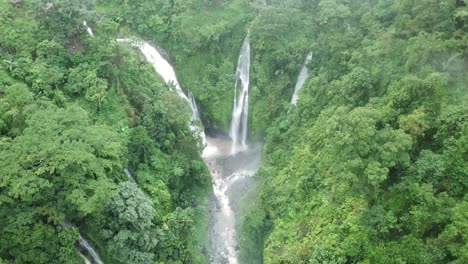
(370, 166)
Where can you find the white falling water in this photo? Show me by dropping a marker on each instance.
(208, 149)
(303, 75)
(160, 65)
(240, 112)
(90, 32)
(193, 105)
(166, 71)
(85, 259)
(84, 244)
(129, 175)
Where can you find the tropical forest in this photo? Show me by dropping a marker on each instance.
(233, 131)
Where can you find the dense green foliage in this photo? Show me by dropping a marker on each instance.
(75, 111)
(371, 166)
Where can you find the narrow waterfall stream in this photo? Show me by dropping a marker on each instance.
(84, 244)
(232, 164)
(196, 118)
(85, 259)
(160, 65)
(84, 247)
(167, 73)
(193, 105)
(88, 29)
(240, 112)
(303, 75)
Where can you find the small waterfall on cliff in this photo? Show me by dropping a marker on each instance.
(84, 244)
(166, 71)
(128, 174)
(90, 32)
(85, 259)
(193, 105)
(196, 118)
(240, 112)
(303, 75)
(160, 65)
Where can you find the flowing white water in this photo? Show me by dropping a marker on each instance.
(303, 75)
(225, 227)
(193, 105)
(160, 65)
(84, 244)
(232, 176)
(129, 175)
(85, 259)
(90, 32)
(240, 112)
(166, 71)
(196, 118)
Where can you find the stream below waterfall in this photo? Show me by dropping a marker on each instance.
(232, 177)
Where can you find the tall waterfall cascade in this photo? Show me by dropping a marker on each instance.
(303, 75)
(240, 112)
(167, 73)
(233, 166)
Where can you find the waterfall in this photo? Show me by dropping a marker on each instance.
(127, 172)
(160, 65)
(90, 32)
(193, 105)
(84, 244)
(85, 259)
(303, 75)
(240, 112)
(166, 71)
(194, 127)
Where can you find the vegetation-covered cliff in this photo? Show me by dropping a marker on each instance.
(370, 166)
(75, 111)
